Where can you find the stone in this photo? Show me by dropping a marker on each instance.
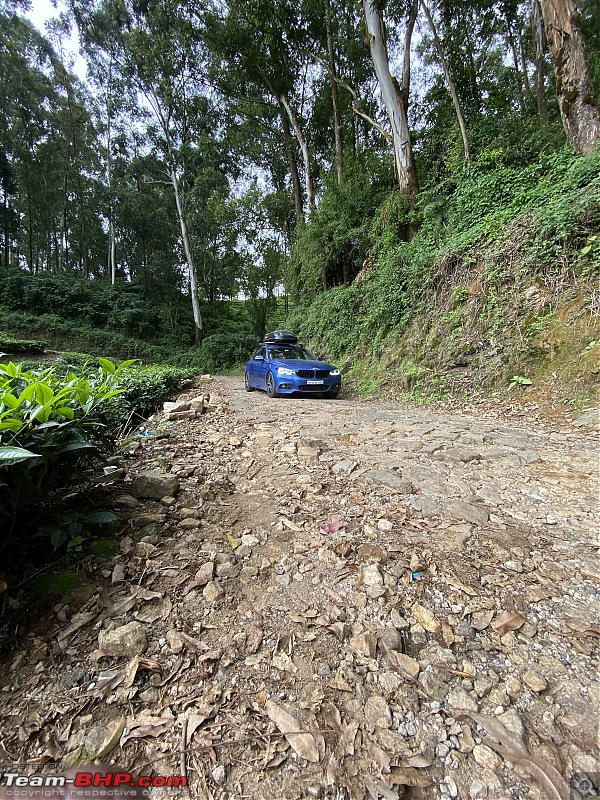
(390, 639)
(205, 573)
(459, 700)
(388, 478)
(125, 641)
(385, 525)
(308, 455)
(364, 644)
(486, 757)
(407, 666)
(119, 572)
(461, 454)
(470, 512)
(425, 505)
(389, 681)
(188, 524)
(175, 415)
(589, 420)
(433, 687)
(213, 591)
(535, 681)
(189, 513)
(154, 485)
(372, 552)
(511, 720)
(174, 640)
(398, 621)
(345, 467)
(426, 618)
(377, 712)
(372, 575)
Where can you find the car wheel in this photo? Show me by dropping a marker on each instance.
(271, 390)
(247, 385)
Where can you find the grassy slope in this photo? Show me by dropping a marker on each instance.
(499, 282)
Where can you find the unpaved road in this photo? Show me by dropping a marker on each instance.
(360, 577)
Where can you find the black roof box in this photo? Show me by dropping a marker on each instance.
(280, 337)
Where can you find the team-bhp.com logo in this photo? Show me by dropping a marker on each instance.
(84, 783)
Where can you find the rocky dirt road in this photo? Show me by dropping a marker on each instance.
(338, 600)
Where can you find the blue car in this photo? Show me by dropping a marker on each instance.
(284, 367)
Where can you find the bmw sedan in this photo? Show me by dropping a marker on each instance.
(279, 369)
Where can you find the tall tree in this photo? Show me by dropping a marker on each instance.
(576, 100)
(392, 98)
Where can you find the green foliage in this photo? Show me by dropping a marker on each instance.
(519, 380)
(9, 344)
(221, 351)
(48, 425)
(503, 217)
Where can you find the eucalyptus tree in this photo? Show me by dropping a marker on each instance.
(576, 99)
(256, 59)
(395, 97)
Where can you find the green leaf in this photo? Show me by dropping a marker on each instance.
(107, 366)
(585, 250)
(58, 537)
(101, 518)
(65, 411)
(15, 454)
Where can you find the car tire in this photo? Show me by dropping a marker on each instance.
(271, 390)
(247, 385)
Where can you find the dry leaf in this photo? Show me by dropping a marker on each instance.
(112, 740)
(512, 748)
(377, 788)
(145, 725)
(408, 776)
(481, 620)
(292, 525)
(254, 637)
(287, 720)
(79, 620)
(508, 621)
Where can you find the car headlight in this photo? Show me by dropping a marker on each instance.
(334, 372)
(285, 371)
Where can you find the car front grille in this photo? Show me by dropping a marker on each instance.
(313, 373)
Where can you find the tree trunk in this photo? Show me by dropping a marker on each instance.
(539, 43)
(523, 63)
(449, 82)
(189, 257)
(295, 178)
(294, 122)
(392, 98)
(578, 107)
(518, 78)
(335, 97)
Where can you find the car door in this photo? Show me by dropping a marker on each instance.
(261, 369)
(251, 368)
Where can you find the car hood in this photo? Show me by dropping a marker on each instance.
(296, 364)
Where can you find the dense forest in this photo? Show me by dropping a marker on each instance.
(230, 165)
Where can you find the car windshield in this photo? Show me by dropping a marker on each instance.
(288, 352)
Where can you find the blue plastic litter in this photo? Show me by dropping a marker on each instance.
(145, 435)
(415, 576)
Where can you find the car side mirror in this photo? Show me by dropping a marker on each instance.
(259, 358)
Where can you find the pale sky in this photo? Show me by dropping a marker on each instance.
(42, 10)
